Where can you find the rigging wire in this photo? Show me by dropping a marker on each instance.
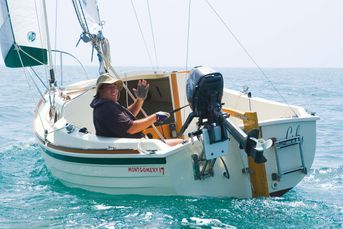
(83, 15)
(46, 87)
(56, 20)
(250, 57)
(152, 34)
(78, 15)
(41, 42)
(33, 98)
(142, 35)
(188, 30)
(81, 18)
(35, 84)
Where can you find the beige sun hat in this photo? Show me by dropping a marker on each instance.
(106, 78)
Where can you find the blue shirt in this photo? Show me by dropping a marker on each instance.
(112, 119)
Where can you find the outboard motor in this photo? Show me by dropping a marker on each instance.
(204, 94)
(205, 91)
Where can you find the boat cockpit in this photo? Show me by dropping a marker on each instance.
(160, 98)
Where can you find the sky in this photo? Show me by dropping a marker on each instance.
(275, 33)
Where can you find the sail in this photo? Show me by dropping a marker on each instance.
(22, 33)
(88, 14)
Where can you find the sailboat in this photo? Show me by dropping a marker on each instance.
(234, 145)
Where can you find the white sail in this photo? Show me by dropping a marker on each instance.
(22, 33)
(88, 14)
(92, 16)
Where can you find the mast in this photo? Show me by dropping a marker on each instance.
(51, 67)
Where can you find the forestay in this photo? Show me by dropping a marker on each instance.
(22, 33)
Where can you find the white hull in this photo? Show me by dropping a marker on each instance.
(149, 167)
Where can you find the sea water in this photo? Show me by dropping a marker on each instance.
(31, 197)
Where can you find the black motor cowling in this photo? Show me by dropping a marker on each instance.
(204, 91)
(204, 95)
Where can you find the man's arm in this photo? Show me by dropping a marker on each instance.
(141, 93)
(141, 124)
(135, 107)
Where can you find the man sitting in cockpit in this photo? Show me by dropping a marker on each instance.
(113, 120)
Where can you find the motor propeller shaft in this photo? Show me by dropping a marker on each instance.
(253, 146)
